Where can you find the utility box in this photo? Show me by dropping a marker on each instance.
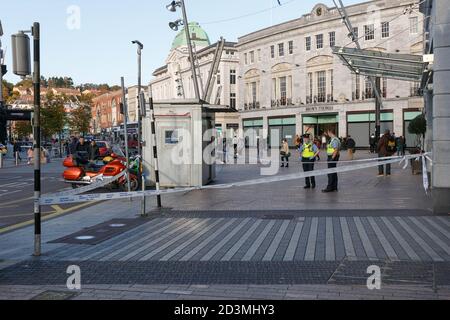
(185, 143)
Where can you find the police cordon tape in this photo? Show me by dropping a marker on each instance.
(68, 199)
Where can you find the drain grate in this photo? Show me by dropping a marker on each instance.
(277, 217)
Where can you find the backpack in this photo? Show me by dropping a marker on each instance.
(391, 145)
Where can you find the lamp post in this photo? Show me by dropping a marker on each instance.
(141, 112)
(174, 26)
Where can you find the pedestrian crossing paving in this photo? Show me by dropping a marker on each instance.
(250, 239)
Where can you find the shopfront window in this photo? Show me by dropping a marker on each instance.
(283, 91)
(321, 86)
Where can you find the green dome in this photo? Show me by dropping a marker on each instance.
(198, 36)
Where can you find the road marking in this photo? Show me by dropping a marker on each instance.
(445, 232)
(47, 217)
(8, 193)
(403, 243)
(419, 240)
(383, 240)
(255, 246)
(16, 201)
(368, 248)
(276, 242)
(290, 251)
(330, 254)
(431, 234)
(218, 246)
(312, 238)
(348, 243)
(197, 236)
(241, 241)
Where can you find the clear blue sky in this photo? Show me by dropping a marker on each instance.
(101, 50)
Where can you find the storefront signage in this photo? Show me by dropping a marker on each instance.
(319, 109)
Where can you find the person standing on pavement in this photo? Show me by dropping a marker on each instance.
(372, 142)
(386, 148)
(73, 145)
(351, 147)
(16, 150)
(309, 151)
(94, 151)
(285, 154)
(333, 152)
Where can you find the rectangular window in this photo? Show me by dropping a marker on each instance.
(331, 86)
(272, 52)
(259, 54)
(283, 91)
(254, 97)
(218, 77)
(414, 25)
(369, 32)
(246, 58)
(319, 41)
(332, 38)
(308, 43)
(356, 32)
(415, 89)
(321, 86)
(369, 90)
(384, 92)
(252, 56)
(233, 100)
(281, 49)
(232, 76)
(309, 89)
(385, 29)
(171, 137)
(358, 87)
(291, 47)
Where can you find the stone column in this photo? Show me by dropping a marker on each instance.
(441, 108)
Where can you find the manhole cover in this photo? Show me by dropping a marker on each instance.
(117, 225)
(85, 238)
(55, 295)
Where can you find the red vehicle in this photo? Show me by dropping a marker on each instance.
(104, 148)
(78, 175)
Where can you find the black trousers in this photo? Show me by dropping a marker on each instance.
(381, 168)
(308, 165)
(333, 177)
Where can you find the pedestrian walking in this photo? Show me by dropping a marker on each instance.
(285, 154)
(30, 154)
(298, 141)
(309, 151)
(16, 151)
(386, 148)
(400, 146)
(333, 152)
(372, 142)
(351, 148)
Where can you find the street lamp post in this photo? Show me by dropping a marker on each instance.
(174, 25)
(141, 112)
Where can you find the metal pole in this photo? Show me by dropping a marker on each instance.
(125, 121)
(155, 146)
(37, 139)
(191, 54)
(377, 110)
(140, 113)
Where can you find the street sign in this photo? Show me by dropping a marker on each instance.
(18, 115)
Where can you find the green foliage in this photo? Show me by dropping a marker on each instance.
(22, 129)
(80, 118)
(418, 125)
(53, 115)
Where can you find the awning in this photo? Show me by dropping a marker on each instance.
(406, 67)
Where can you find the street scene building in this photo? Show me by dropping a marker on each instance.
(289, 79)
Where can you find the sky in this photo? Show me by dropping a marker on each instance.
(90, 40)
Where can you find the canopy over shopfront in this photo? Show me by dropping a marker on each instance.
(406, 67)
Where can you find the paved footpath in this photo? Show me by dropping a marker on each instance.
(274, 241)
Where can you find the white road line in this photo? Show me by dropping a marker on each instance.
(431, 234)
(189, 232)
(218, 246)
(8, 193)
(194, 238)
(312, 238)
(403, 243)
(368, 248)
(330, 253)
(445, 232)
(348, 243)
(419, 240)
(444, 220)
(383, 240)
(255, 246)
(293, 243)
(276, 242)
(241, 241)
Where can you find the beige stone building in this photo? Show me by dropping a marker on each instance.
(290, 80)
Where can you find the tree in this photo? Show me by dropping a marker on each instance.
(80, 117)
(53, 115)
(418, 126)
(22, 129)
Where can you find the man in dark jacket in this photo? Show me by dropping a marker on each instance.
(386, 148)
(16, 150)
(94, 151)
(82, 151)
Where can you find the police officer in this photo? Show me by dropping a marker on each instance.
(309, 152)
(333, 152)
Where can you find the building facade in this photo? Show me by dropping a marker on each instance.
(174, 79)
(106, 116)
(290, 80)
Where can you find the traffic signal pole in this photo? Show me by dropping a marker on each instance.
(37, 138)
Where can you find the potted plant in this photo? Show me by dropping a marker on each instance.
(418, 126)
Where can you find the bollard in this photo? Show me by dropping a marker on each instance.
(1, 160)
(17, 158)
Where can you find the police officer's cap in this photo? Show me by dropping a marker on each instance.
(306, 135)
